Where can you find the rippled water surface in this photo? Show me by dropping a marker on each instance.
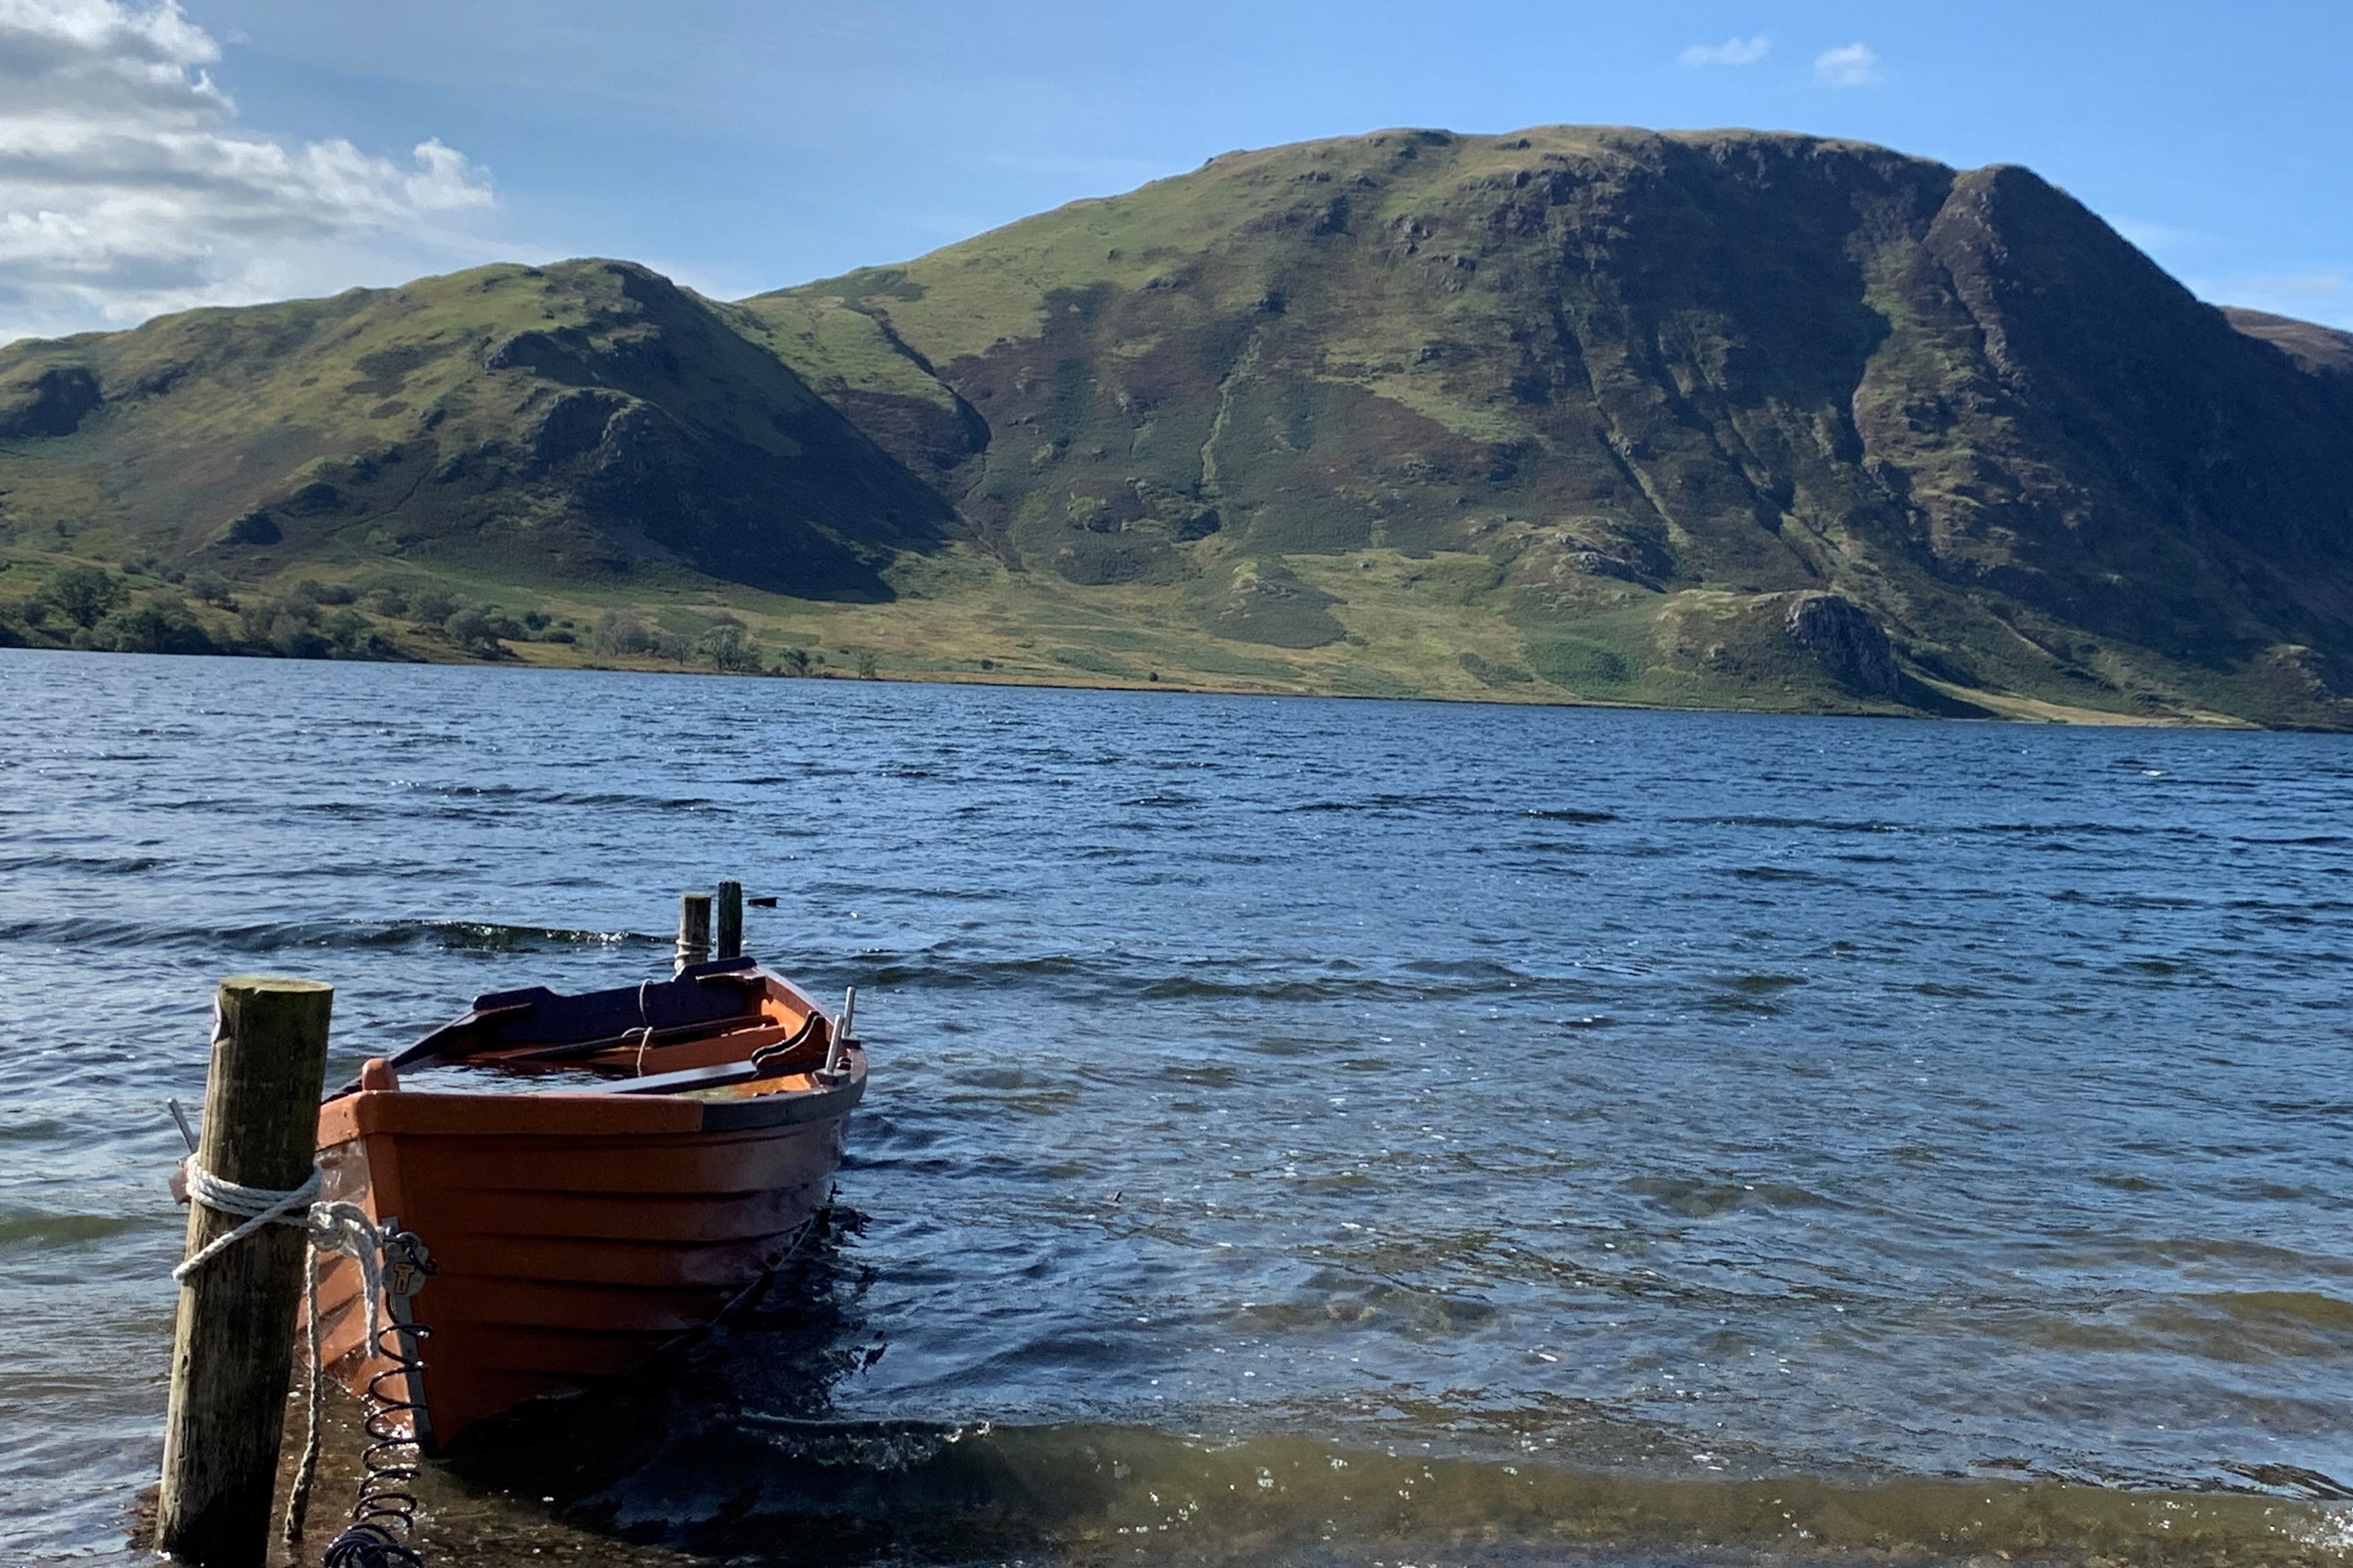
(1298, 1129)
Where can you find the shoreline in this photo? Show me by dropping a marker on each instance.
(903, 1492)
(1405, 630)
(2002, 707)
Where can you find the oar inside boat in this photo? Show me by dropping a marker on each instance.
(725, 1009)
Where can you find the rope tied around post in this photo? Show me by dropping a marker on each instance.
(258, 1205)
(333, 1227)
(337, 1226)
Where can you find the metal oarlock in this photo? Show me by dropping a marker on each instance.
(837, 1051)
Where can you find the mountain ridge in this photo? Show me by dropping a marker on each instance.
(1712, 305)
(1720, 419)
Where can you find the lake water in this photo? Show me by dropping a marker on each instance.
(1300, 1131)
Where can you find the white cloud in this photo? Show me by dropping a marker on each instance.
(1848, 65)
(1733, 51)
(126, 188)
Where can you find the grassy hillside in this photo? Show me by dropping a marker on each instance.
(588, 422)
(1662, 393)
(1716, 419)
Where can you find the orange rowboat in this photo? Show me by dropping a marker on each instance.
(578, 1223)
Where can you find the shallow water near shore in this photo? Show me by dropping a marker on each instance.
(1300, 1130)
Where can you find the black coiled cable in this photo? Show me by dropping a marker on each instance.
(370, 1546)
(385, 1511)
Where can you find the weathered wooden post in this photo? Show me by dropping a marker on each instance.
(729, 941)
(235, 1343)
(693, 929)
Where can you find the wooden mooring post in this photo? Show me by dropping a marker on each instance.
(693, 929)
(234, 1347)
(729, 943)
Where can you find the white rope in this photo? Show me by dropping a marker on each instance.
(335, 1226)
(645, 1033)
(257, 1205)
(341, 1228)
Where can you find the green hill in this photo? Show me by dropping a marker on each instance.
(589, 421)
(1651, 395)
(1706, 418)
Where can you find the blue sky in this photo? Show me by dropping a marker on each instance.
(741, 146)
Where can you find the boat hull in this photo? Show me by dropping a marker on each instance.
(573, 1234)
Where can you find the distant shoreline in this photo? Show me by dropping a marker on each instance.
(2028, 711)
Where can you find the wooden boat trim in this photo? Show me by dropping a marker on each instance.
(630, 1107)
(749, 1113)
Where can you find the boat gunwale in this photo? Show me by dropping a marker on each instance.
(595, 1114)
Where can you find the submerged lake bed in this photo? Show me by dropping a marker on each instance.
(1300, 1130)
